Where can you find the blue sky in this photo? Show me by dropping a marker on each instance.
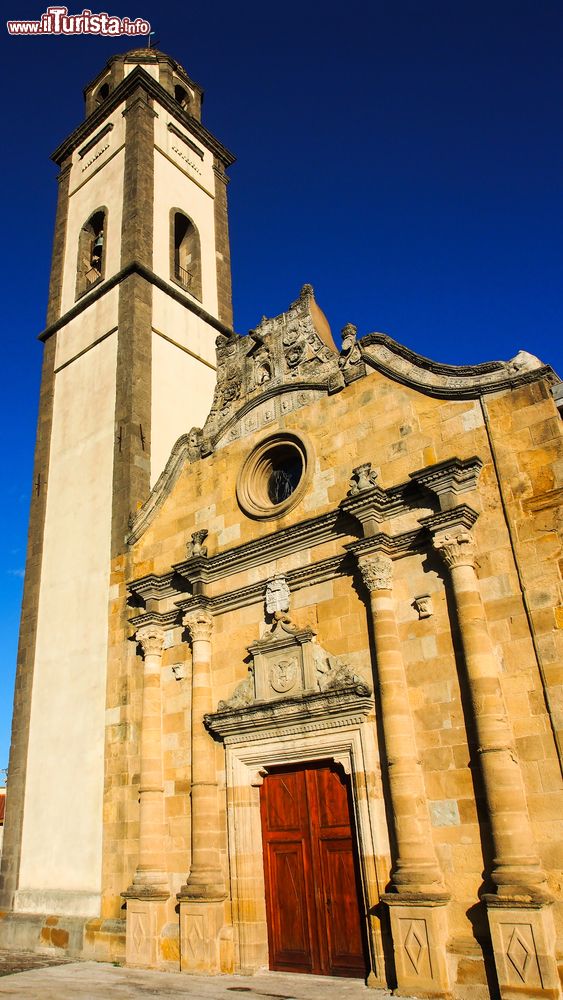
(403, 156)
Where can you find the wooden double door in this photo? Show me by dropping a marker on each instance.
(313, 897)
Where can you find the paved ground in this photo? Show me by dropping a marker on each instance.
(23, 961)
(98, 981)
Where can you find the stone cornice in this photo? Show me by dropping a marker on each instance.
(381, 352)
(305, 576)
(450, 478)
(165, 619)
(156, 588)
(372, 506)
(325, 710)
(140, 78)
(462, 516)
(305, 534)
(188, 580)
(133, 267)
(393, 546)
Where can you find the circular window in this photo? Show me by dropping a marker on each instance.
(274, 476)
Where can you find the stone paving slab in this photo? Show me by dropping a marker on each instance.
(23, 961)
(100, 981)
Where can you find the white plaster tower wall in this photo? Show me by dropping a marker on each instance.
(62, 834)
(97, 393)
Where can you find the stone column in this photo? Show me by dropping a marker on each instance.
(146, 896)
(519, 914)
(201, 899)
(418, 900)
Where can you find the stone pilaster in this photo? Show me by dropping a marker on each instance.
(519, 910)
(201, 899)
(222, 245)
(418, 901)
(132, 448)
(149, 890)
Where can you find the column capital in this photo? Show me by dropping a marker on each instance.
(151, 639)
(377, 571)
(199, 624)
(456, 546)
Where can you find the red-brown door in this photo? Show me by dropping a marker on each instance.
(312, 887)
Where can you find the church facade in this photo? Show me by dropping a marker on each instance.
(289, 688)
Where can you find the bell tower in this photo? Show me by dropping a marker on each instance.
(140, 287)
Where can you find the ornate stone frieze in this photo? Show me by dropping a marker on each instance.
(150, 639)
(199, 624)
(295, 348)
(376, 571)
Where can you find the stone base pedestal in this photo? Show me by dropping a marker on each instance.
(201, 926)
(145, 920)
(420, 932)
(523, 936)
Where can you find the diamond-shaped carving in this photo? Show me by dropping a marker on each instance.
(194, 937)
(519, 954)
(414, 946)
(138, 933)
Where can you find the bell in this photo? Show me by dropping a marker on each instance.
(97, 248)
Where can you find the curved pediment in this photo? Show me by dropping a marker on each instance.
(291, 360)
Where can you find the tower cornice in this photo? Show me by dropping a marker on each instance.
(134, 267)
(140, 77)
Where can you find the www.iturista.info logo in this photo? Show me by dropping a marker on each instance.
(58, 21)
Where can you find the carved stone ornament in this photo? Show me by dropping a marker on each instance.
(350, 353)
(199, 625)
(242, 696)
(277, 597)
(363, 478)
(196, 546)
(195, 438)
(283, 675)
(423, 605)
(377, 571)
(151, 639)
(289, 663)
(457, 548)
(262, 363)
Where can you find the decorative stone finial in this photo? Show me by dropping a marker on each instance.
(363, 478)
(350, 353)
(277, 597)
(150, 639)
(195, 438)
(377, 571)
(199, 624)
(196, 546)
(457, 547)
